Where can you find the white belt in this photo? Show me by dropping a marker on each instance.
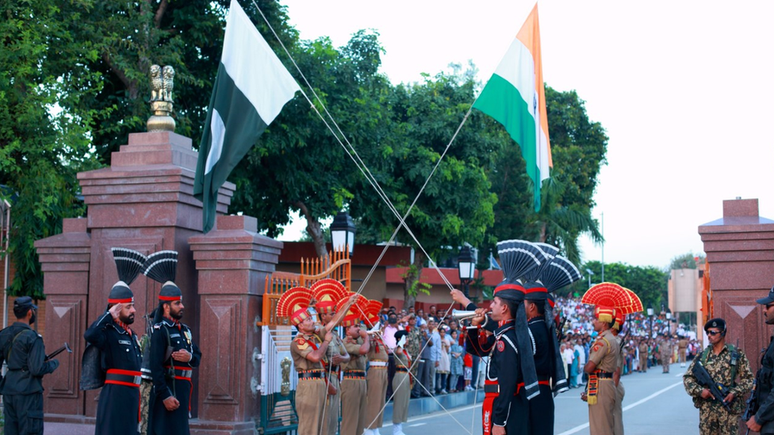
(377, 364)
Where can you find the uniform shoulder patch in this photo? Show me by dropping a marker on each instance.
(500, 346)
(301, 343)
(595, 348)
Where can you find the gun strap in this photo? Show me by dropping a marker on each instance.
(10, 347)
(734, 359)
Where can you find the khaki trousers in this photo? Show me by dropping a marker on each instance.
(353, 406)
(377, 390)
(618, 412)
(332, 405)
(310, 400)
(601, 420)
(402, 389)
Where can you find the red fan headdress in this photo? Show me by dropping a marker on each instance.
(327, 293)
(607, 294)
(355, 312)
(372, 313)
(293, 305)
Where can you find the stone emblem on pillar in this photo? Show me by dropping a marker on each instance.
(285, 387)
(162, 106)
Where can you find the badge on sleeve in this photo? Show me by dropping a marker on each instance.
(301, 343)
(500, 346)
(595, 348)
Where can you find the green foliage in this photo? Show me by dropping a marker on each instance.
(685, 261)
(416, 287)
(41, 146)
(121, 40)
(648, 282)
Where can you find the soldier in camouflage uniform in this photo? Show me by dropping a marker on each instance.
(723, 362)
(413, 345)
(665, 350)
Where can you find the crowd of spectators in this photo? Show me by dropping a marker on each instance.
(436, 344)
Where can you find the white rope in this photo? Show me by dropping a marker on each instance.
(355, 157)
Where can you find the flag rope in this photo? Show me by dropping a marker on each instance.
(352, 153)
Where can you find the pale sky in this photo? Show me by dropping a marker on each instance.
(684, 89)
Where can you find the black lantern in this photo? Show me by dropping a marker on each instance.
(343, 232)
(467, 268)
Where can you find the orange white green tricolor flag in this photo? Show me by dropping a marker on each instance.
(516, 98)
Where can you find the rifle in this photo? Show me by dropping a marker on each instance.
(752, 402)
(53, 354)
(718, 391)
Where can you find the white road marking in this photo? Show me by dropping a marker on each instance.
(639, 402)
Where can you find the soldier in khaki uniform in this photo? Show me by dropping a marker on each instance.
(308, 354)
(376, 377)
(326, 293)
(603, 360)
(401, 385)
(682, 347)
(665, 350)
(353, 385)
(644, 356)
(724, 363)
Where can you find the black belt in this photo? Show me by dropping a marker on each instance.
(401, 369)
(354, 373)
(604, 375)
(495, 388)
(311, 375)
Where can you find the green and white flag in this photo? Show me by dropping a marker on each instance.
(250, 90)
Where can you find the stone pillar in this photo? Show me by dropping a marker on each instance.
(143, 201)
(233, 262)
(65, 260)
(740, 251)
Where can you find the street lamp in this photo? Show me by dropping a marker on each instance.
(650, 316)
(590, 272)
(467, 268)
(343, 232)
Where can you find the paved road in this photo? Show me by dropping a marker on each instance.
(654, 403)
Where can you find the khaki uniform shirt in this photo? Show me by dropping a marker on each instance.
(356, 361)
(603, 353)
(302, 346)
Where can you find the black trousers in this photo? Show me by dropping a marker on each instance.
(390, 374)
(23, 414)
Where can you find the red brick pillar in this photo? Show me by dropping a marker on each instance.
(65, 261)
(233, 262)
(740, 251)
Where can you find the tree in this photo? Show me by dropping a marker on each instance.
(41, 148)
(648, 282)
(456, 205)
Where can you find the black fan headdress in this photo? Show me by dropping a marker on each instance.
(129, 263)
(162, 267)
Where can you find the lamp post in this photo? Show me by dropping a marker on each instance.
(590, 272)
(669, 320)
(343, 232)
(467, 268)
(650, 316)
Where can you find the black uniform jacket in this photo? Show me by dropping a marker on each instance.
(541, 408)
(504, 367)
(25, 353)
(765, 386)
(167, 334)
(119, 405)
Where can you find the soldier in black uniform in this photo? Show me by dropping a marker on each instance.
(173, 356)
(505, 406)
(541, 408)
(22, 387)
(118, 411)
(763, 419)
